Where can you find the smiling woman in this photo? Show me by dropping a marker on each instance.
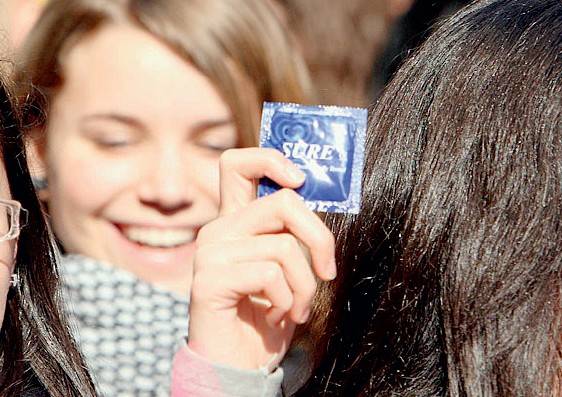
(135, 102)
(155, 173)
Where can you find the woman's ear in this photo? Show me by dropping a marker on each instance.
(36, 150)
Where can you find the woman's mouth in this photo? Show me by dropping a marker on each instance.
(158, 237)
(160, 254)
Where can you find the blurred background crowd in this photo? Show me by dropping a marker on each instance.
(351, 47)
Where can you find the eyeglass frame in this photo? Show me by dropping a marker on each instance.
(18, 219)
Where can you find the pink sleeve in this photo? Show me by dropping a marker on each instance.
(194, 376)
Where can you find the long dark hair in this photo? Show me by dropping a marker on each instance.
(36, 351)
(451, 276)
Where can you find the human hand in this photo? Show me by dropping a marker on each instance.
(255, 265)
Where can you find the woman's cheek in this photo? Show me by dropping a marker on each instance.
(91, 180)
(209, 174)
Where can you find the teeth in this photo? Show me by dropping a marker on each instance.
(163, 238)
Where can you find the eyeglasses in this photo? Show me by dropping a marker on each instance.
(12, 218)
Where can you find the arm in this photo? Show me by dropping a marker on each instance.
(194, 376)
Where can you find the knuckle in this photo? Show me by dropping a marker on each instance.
(273, 159)
(324, 238)
(288, 197)
(287, 243)
(273, 154)
(272, 273)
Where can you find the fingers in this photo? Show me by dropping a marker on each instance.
(277, 213)
(240, 168)
(245, 279)
(281, 249)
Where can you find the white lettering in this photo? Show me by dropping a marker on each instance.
(327, 152)
(287, 148)
(299, 150)
(303, 150)
(313, 151)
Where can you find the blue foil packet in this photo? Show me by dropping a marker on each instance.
(327, 143)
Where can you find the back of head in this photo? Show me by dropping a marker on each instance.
(240, 45)
(37, 354)
(451, 275)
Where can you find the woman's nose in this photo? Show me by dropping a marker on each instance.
(165, 184)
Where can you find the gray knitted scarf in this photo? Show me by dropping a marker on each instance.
(128, 329)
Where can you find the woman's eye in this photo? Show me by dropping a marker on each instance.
(217, 141)
(111, 131)
(112, 141)
(215, 147)
(112, 144)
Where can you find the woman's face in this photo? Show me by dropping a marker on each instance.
(133, 142)
(7, 248)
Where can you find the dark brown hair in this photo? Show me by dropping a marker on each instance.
(451, 276)
(37, 353)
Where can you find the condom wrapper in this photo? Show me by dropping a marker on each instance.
(327, 143)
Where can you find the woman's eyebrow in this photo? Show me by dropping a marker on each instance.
(203, 126)
(114, 117)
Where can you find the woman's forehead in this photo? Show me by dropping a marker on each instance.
(125, 67)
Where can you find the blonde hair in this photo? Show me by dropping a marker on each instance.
(239, 45)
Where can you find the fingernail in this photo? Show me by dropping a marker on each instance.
(295, 174)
